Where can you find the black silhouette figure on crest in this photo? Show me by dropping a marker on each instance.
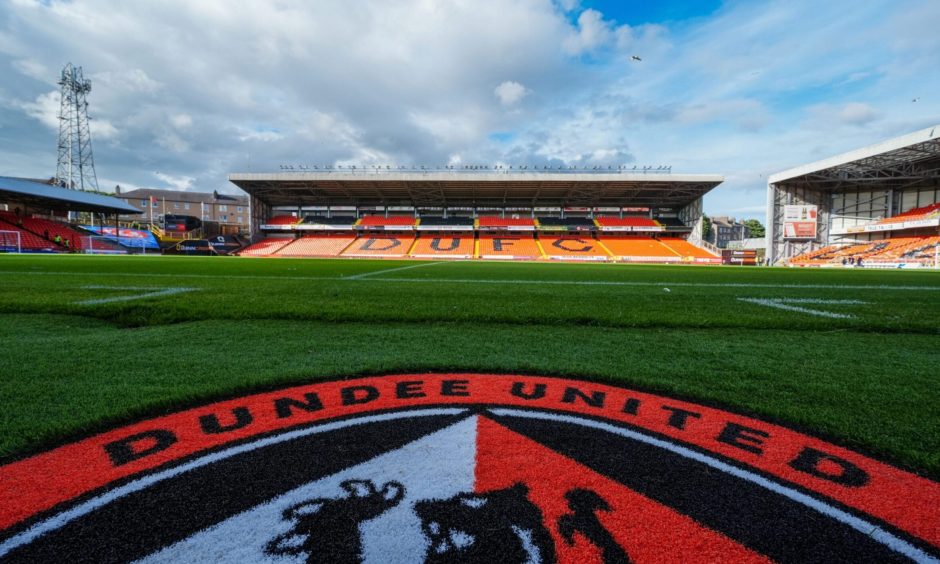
(584, 505)
(498, 526)
(327, 529)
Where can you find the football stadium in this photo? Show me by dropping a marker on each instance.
(470, 363)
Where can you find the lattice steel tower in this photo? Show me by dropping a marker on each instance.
(76, 166)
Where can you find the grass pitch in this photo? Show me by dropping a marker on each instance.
(86, 342)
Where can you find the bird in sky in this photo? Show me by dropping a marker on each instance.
(635, 58)
(916, 99)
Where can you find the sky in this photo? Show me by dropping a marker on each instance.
(184, 93)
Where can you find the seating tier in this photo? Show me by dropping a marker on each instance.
(443, 246)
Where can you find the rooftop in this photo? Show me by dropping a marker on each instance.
(47, 196)
(910, 158)
(479, 188)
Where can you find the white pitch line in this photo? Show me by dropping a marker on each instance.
(782, 303)
(387, 270)
(149, 292)
(661, 284)
(869, 287)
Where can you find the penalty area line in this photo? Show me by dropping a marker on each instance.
(148, 292)
(387, 270)
(784, 304)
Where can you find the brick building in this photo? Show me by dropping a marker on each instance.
(224, 209)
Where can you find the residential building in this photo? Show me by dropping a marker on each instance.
(725, 229)
(224, 209)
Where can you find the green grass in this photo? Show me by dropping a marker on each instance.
(868, 380)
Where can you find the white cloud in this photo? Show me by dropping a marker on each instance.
(45, 109)
(510, 92)
(129, 81)
(857, 113)
(171, 141)
(266, 136)
(745, 113)
(198, 89)
(592, 32)
(853, 114)
(175, 182)
(102, 129)
(181, 121)
(34, 69)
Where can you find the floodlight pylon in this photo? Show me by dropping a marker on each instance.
(76, 162)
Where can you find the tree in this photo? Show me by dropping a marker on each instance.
(706, 226)
(755, 226)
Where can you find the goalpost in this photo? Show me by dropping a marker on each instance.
(101, 245)
(10, 242)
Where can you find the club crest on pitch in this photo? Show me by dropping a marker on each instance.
(461, 468)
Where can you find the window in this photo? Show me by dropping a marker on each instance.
(176, 206)
(153, 203)
(223, 207)
(143, 203)
(223, 217)
(241, 219)
(185, 206)
(239, 210)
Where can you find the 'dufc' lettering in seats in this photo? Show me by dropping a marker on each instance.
(370, 244)
(498, 244)
(436, 244)
(583, 248)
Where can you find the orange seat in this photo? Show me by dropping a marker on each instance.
(687, 249)
(573, 247)
(640, 249)
(282, 220)
(509, 247)
(917, 249)
(443, 246)
(317, 246)
(265, 247)
(380, 246)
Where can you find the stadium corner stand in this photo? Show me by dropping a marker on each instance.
(37, 218)
(616, 216)
(877, 207)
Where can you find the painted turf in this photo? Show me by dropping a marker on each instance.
(441, 467)
(367, 277)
